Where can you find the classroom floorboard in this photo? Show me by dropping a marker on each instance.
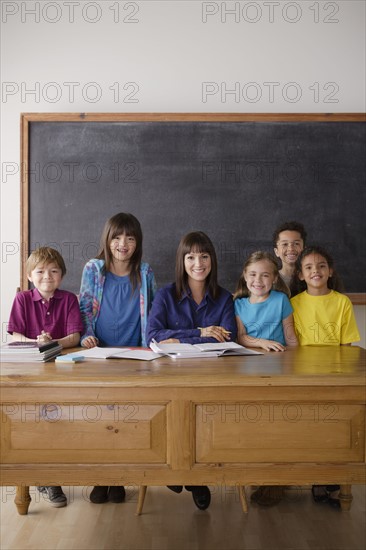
(171, 521)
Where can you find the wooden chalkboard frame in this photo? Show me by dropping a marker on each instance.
(28, 118)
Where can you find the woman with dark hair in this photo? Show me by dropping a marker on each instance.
(116, 293)
(194, 309)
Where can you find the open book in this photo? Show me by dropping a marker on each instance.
(119, 353)
(216, 349)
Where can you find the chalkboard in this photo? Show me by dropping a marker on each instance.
(236, 177)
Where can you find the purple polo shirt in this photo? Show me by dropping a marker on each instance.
(31, 314)
(172, 318)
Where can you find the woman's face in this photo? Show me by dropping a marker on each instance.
(197, 266)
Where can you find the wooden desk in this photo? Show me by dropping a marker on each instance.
(282, 418)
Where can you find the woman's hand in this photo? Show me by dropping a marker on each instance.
(170, 341)
(219, 333)
(90, 342)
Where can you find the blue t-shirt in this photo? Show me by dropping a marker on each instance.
(264, 319)
(119, 321)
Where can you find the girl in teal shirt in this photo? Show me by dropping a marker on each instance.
(262, 308)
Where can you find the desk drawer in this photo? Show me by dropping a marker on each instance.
(229, 432)
(84, 433)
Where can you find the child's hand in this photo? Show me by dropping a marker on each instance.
(44, 337)
(170, 341)
(271, 345)
(90, 342)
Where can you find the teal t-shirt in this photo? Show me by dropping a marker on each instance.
(119, 321)
(264, 319)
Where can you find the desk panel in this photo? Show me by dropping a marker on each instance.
(279, 432)
(90, 433)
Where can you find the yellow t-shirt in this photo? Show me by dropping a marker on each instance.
(324, 320)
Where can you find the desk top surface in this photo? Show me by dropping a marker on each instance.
(309, 366)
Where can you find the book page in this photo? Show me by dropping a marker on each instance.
(217, 346)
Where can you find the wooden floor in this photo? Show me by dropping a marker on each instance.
(172, 521)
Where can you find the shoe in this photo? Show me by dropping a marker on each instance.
(268, 495)
(321, 495)
(334, 503)
(331, 488)
(116, 494)
(55, 496)
(176, 488)
(99, 494)
(201, 496)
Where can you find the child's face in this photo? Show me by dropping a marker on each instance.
(315, 271)
(46, 278)
(260, 277)
(122, 247)
(197, 266)
(289, 247)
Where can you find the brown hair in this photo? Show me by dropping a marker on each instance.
(289, 226)
(197, 241)
(117, 225)
(280, 285)
(45, 255)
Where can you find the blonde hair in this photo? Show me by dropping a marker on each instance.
(280, 285)
(45, 255)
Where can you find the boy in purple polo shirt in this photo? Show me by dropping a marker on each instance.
(46, 313)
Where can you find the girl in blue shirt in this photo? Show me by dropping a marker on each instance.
(262, 308)
(264, 318)
(194, 309)
(116, 294)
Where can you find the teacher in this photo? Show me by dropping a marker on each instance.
(193, 310)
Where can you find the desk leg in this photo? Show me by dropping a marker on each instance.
(140, 503)
(345, 497)
(22, 499)
(243, 499)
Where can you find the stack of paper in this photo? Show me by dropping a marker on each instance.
(28, 352)
(181, 351)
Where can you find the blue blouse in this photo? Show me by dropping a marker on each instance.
(172, 318)
(119, 321)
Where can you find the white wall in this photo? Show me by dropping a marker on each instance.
(281, 56)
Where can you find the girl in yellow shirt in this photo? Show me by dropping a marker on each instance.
(323, 317)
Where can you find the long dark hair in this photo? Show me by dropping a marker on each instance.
(198, 242)
(280, 285)
(117, 225)
(334, 281)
